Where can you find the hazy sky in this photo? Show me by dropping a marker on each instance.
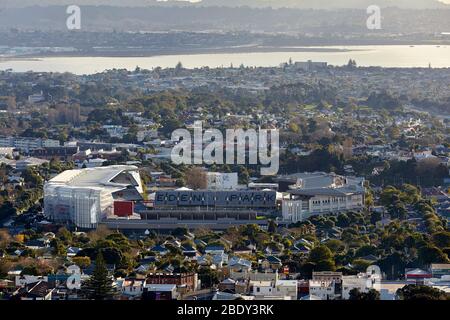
(21, 3)
(444, 1)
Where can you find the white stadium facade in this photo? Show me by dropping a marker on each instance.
(85, 197)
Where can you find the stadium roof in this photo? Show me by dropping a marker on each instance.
(316, 180)
(92, 177)
(337, 192)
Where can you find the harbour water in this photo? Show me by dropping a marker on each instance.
(402, 56)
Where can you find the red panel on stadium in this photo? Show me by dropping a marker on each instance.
(123, 208)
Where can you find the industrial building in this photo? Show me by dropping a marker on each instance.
(85, 197)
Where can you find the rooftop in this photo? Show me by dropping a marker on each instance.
(94, 177)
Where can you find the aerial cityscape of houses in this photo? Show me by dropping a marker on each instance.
(358, 211)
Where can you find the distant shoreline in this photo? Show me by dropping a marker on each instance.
(142, 52)
(137, 53)
(106, 58)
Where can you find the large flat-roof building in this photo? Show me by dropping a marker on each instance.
(84, 197)
(321, 193)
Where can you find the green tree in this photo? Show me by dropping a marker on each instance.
(99, 286)
(322, 257)
(421, 292)
(272, 227)
(356, 294)
(32, 177)
(180, 232)
(375, 216)
(208, 277)
(7, 210)
(442, 239)
(431, 254)
(343, 220)
(82, 262)
(336, 246)
(58, 247)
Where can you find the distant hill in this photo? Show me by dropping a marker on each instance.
(302, 4)
(327, 4)
(320, 23)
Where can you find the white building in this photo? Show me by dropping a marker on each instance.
(36, 98)
(24, 164)
(27, 144)
(6, 151)
(261, 288)
(222, 181)
(86, 196)
(50, 143)
(254, 275)
(442, 283)
(159, 288)
(363, 282)
(262, 186)
(321, 193)
(132, 288)
(310, 65)
(92, 163)
(115, 131)
(146, 134)
(325, 290)
(285, 289)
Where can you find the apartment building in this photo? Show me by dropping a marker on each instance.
(27, 144)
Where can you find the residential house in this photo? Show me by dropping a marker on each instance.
(72, 251)
(215, 250)
(417, 275)
(239, 264)
(37, 244)
(35, 291)
(254, 275)
(220, 259)
(159, 249)
(227, 285)
(439, 270)
(189, 251)
(226, 296)
(271, 262)
(160, 292)
(189, 280)
(132, 288)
